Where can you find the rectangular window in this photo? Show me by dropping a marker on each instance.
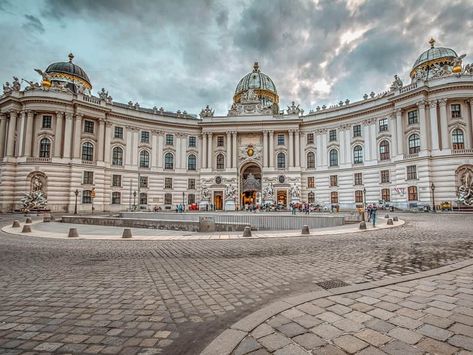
(168, 199)
(311, 197)
(310, 138)
(190, 199)
(357, 130)
(144, 182)
(456, 110)
(359, 196)
(412, 117)
(192, 142)
(383, 125)
(168, 183)
(88, 178)
(333, 180)
(280, 139)
(169, 139)
(86, 196)
(384, 176)
(116, 180)
(47, 121)
(386, 195)
(332, 135)
(358, 178)
(118, 133)
(144, 137)
(143, 198)
(191, 184)
(310, 182)
(411, 172)
(412, 193)
(88, 126)
(334, 197)
(116, 198)
(220, 141)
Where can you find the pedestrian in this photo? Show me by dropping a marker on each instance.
(368, 212)
(373, 215)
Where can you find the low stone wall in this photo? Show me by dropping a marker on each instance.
(256, 221)
(177, 225)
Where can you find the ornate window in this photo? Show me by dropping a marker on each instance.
(192, 141)
(311, 197)
(333, 180)
(143, 198)
(383, 125)
(168, 183)
(384, 150)
(118, 132)
(358, 154)
(412, 117)
(191, 184)
(281, 160)
(359, 196)
(87, 196)
(168, 161)
(144, 159)
(310, 160)
(456, 110)
(458, 139)
(386, 195)
(334, 197)
(414, 143)
(116, 180)
(144, 137)
(87, 151)
(168, 199)
(191, 162)
(47, 121)
(358, 179)
(384, 176)
(411, 172)
(116, 198)
(45, 148)
(332, 135)
(88, 126)
(333, 157)
(220, 162)
(412, 193)
(310, 138)
(169, 139)
(357, 130)
(117, 156)
(310, 182)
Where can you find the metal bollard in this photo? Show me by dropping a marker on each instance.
(72, 233)
(305, 229)
(126, 233)
(247, 232)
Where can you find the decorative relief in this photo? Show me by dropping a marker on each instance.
(465, 181)
(206, 112)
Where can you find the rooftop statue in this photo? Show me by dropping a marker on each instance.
(16, 86)
(294, 110)
(397, 83)
(206, 112)
(7, 88)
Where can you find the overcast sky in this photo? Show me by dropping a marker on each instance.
(185, 54)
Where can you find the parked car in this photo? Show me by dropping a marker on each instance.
(446, 206)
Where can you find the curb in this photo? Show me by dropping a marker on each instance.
(227, 341)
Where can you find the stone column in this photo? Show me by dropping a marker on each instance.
(290, 148)
(108, 138)
(393, 125)
(129, 146)
(235, 151)
(265, 149)
(422, 125)
(443, 123)
(469, 126)
(341, 139)
(228, 142)
(36, 129)
(319, 151)
(3, 132)
(183, 151)
(303, 163)
(134, 146)
(11, 134)
(434, 125)
(58, 134)
(367, 138)
(100, 140)
(204, 150)
(68, 136)
(154, 148)
(178, 164)
(324, 148)
(209, 151)
(21, 134)
(400, 132)
(298, 149)
(160, 149)
(347, 146)
(374, 145)
(271, 149)
(77, 133)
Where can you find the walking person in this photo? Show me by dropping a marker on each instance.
(373, 215)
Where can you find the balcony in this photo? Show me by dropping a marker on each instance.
(462, 151)
(38, 160)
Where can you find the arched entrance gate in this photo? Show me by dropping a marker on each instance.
(250, 185)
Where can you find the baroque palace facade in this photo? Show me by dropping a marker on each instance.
(407, 146)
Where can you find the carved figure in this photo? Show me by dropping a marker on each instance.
(457, 62)
(397, 83)
(468, 69)
(32, 85)
(16, 86)
(268, 192)
(7, 88)
(45, 76)
(293, 109)
(250, 95)
(465, 191)
(230, 192)
(103, 94)
(205, 193)
(421, 74)
(36, 184)
(206, 112)
(295, 191)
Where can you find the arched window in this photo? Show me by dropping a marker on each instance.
(358, 154)
(281, 160)
(414, 143)
(144, 159)
(384, 150)
(87, 151)
(169, 161)
(191, 162)
(220, 162)
(333, 157)
(458, 139)
(117, 156)
(310, 160)
(412, 193)
(45, 148)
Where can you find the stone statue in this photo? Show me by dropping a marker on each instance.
(295, 191)
(268, 192)
(45, 76)
(36, 184)
(16, 86)
(205, 193)
(457, 62)
(397, 83)
(421, 75)
(230, 192)
(468, 69)
(7, 88)
(251, 95)
(32, 85)
(206, 112)
(293, 109)
(465, 191)
(103, 94)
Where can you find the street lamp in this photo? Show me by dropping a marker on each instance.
(432, 187)
(364, 203)
(75, 205)
(134, 200)
(183, 201)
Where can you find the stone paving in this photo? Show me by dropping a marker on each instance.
(428, 315)
(175, 297)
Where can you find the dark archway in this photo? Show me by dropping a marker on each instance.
(250, 185)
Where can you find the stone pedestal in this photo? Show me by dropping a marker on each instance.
(230, 205)
(206, 224)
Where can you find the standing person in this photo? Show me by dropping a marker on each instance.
(373, 215)
(368, 212)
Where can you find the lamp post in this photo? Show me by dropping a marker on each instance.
(183, 201)
(75, 205)
(364, 204)
(432, 187)
(134, 200)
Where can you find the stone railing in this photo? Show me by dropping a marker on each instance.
(91, 99)
(408, 88)
(37, 160)
(462, 151)
(413, 155)
(89, 162)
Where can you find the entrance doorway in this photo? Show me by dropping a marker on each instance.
(218, 200)
(250, 186)
(282, 198)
